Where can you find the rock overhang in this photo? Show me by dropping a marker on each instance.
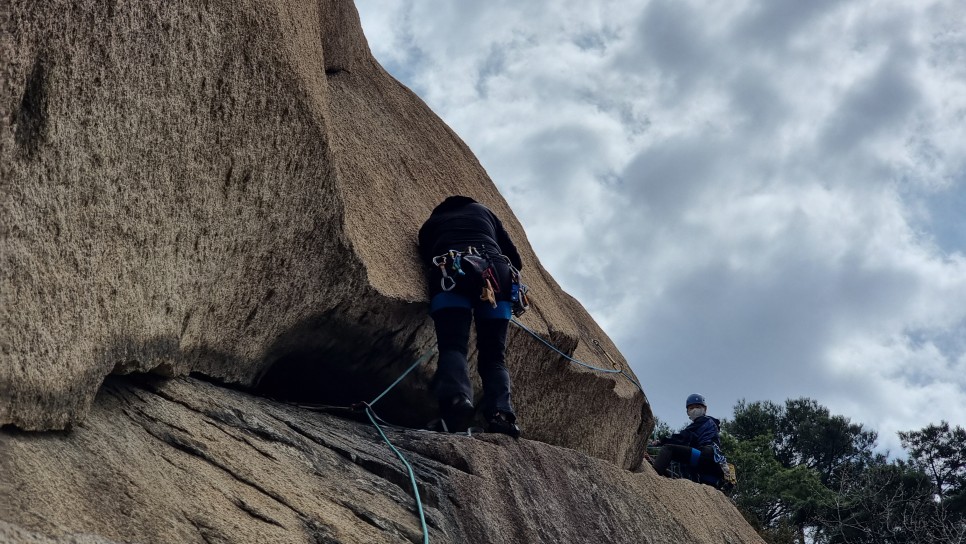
(234, 190)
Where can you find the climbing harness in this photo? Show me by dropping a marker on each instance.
(476, 267)
(458, 262)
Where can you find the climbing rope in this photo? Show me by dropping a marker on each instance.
(373, 417)
(412, 474)
(425, 356)
(575, 361)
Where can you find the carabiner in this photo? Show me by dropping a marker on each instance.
(442, 283)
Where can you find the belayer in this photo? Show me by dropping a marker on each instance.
(696, 448)
(474, 272)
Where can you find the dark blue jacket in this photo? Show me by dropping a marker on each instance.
(703, 431)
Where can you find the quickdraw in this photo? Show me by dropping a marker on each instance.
(447, 282)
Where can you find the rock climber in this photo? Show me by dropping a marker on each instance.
(697, 446)
(469, 253)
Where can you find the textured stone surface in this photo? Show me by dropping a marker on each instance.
(233, 188)
(182, 460)
(10, 533)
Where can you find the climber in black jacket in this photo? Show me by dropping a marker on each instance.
(460, 223)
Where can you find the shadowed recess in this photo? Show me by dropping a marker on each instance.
(325, 361)
(31, 118)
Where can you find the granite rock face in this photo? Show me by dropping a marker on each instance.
(233, 189)
(181, 460)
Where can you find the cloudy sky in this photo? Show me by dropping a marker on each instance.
(758, 199)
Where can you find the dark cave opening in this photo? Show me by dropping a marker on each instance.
(310, 377)
(315, 377)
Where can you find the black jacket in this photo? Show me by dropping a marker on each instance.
(459, 222)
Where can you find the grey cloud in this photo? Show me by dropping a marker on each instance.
(666, 177)
(671, 38)
(949, 343)
(668, 43)
(756, 99)
(596, 41)
(878, 103)
(617, 106)
(772, 23)
(492, 65)
(559, 152)
(708, 336)
(945, 221)
(408, 59)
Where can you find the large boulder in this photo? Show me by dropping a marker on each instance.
(233, 189)
(181, 460)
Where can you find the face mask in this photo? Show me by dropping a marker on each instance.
(695, 413)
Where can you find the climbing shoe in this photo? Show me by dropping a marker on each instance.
(503, 423)
(456, 413)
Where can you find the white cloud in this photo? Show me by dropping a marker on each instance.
(756, 199)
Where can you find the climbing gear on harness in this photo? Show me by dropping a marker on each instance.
(491, 286)
(468, 265)
(454, 259)
(472, 270)
(518, 291)
(519, 297)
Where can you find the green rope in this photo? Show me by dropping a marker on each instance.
(429, 353)
(412, 475)
(373, 417)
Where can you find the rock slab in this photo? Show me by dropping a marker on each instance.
(181, 460)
